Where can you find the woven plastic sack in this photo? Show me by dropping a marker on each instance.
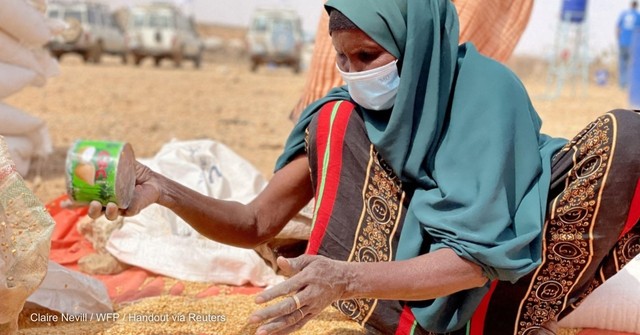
(36, 59)
(25, 233)
(25, 22)
(14, 78)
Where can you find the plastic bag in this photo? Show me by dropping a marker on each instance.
(71, 292)
(25, 233)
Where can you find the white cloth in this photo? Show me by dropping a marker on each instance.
(160, 241)
(615, 305)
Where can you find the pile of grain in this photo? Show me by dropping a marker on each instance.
(226, 314)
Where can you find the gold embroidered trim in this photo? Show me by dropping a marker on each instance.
(382, 199)
(569, 230)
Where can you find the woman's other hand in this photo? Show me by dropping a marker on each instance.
(315, 283)
(147, 191)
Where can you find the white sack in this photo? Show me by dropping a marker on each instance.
(12, 52)
(27, 136)
(14, 78)
(71, 292)
(158, 240)
(20, 151)
(615, 305)
(36, 59)
(40, 5)
(16, 122)
(56, 26)
(24, 22)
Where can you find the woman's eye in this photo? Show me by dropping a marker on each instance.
(366, 56)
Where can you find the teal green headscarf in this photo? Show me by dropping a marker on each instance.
(463, 132)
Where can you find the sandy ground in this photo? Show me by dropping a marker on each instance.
(150, 106)
(223, 101)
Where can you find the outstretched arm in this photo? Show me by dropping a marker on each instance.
(229, 222)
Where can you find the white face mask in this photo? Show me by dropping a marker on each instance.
(373, 89)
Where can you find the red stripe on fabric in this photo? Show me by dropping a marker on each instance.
(322, 136)
(334, 168)
(477, 320)
(405, 324)
(634, 211)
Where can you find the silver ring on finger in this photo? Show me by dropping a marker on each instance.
(301, 314)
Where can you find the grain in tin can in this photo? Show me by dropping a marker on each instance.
(102, 171)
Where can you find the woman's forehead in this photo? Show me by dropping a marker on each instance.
(353, 39)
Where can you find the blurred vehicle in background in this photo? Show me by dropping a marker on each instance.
(92, 31)
(275, 37)
(162, 31)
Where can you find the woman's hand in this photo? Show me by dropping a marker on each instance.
(147, 191)
(316, 282)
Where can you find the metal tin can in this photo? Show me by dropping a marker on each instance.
(102, 171)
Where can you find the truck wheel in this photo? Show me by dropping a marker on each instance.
(57, 55)
(137, 59)
(178, 57)
(197, 61)
(95, 54)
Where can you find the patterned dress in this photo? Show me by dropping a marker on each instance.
(589, 234)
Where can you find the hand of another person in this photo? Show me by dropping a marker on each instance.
(147, 191)
(316, 282)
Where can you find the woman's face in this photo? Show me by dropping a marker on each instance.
(358, 52)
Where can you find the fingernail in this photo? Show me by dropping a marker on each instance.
(259, 300)
(253, 319)
(261, 332)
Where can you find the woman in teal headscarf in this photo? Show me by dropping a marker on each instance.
(439, 206)
(460, 135)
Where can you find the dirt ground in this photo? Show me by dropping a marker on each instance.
(223, 101)
(150, 106)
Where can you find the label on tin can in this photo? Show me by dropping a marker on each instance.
(92, 172)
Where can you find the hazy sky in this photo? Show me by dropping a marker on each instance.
(602, 15)
(537, 40)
